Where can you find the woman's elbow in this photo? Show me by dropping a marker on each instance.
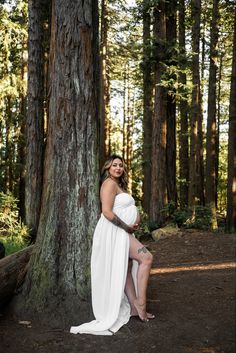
(108, 214)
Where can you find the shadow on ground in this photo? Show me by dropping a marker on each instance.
(191, 291)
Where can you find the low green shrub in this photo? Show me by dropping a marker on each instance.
(200, 219)
(13, 232)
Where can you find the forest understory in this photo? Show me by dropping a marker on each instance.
(191, 291)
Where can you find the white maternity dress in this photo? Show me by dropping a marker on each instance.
(109, 264)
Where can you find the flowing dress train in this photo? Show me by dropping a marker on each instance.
(109, 264)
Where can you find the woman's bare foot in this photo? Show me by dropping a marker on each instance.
(140, 311)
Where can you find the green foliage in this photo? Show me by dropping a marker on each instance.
(13, 233)
(144, 228)
(200, 219)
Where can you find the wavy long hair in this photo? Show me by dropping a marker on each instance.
(123, 180)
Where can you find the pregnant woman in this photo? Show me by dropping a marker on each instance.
(120, 264)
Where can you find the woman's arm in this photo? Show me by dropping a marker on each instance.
(108, 194)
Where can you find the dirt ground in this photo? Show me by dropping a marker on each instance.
(191, 291)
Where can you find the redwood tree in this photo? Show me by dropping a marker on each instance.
(58, 278)
(196, 105)
(158, 198)
(184, 112)
(35, 116)
(211, 143)
(147, 104)
(231, 187)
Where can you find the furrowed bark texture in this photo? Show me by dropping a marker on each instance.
(59, 275)
(35, 117)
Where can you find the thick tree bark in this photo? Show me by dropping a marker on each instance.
(184, 113)
(35, 117)
(159, 128)
(211, 120)
(147, 106)
(59, 278)
(12, 273)
(231, 186)
(196, 104)
(105, 85)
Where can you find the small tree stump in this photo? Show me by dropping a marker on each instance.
(12, 272)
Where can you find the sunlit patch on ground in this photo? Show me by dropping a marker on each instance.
(194, 267)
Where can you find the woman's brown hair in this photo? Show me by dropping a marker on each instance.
(123, 183)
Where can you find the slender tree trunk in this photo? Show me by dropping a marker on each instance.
(129, 134)
(196, 106)
(105, 85)
(59, 278)
(125, 110)
(147, 106)
(184, 113)
(35, 117)
(9, 149)
(21, 147)
(171, 9)
(231, 186)
(218, 126)
(159, 128)
(211, 119)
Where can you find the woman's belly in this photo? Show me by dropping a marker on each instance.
(128, 214)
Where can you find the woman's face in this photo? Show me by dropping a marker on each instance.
(116, 169)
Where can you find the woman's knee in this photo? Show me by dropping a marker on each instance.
(147, 259)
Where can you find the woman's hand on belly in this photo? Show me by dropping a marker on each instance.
(138, 220)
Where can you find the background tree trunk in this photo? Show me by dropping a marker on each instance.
(147, 106)
(211, 142)
(105, 85)
(159, 129)
(35, 117)
(59, 278)
(231, 187)
(196, 107)
(184, 113)
(171, 9)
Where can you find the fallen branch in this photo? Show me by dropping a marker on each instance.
(13, 269)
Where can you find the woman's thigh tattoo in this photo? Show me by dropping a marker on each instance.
(143, 249)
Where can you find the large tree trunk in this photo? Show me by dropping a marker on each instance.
(184, 113)
(59, 280)
(196, 103)
(35, 117)
(159, 129)
(147, 106)
(12, 273)
(211, 120)
(105, 85)
(231, 187)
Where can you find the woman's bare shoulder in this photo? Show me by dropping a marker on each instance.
(109, 185)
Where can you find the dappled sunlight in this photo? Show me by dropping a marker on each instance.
(194, 267)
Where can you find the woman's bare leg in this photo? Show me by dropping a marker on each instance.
(130, 289)
(138, 252)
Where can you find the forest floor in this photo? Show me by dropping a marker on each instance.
(191, 291)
